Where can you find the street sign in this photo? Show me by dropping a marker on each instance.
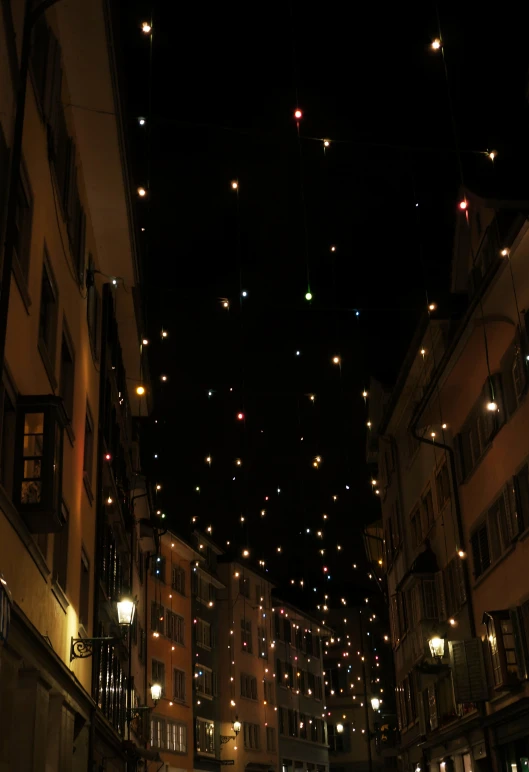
(227, 762)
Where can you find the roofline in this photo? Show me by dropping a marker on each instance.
(304, 614)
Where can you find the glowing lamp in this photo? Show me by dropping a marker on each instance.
(163, 378)
(145, 342)
(493, 154)
(492, 406)
(244, 293)
(246, 553)
(326, 142)
(110, 500)
(339, 728)
(141, 121)
(308, 295)
(463, 204)
(435, 45)
(234, 185)
(369, 424)
(142, 192)
(164, 333)
(423, 351)
(298, 115)
(462, 554)
(156, 692)
(236, 726)
(432, 307)
(375, 703)
(146, 27)
(333, 249)
(437, 647)
(140, 390)
(240, 416)
(336, 360)
(504, 252)
(364, 394)
(444, 426)
(126, 608)
(108, 456)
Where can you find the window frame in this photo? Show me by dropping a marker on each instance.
(47, 342)
(69, 387)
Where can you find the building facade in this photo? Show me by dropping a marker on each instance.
(246, 657)
(170, 649)
(302, 725)
(69, 458)
(205, 588)
(452, 471)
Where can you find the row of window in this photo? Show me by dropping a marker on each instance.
(168, 735)
(179, 680)
(295, 678)
(166, 622)
(247, 639)
(285, 630)
(289, 765)
(295, 724)
(249, 689)
(178, 574)
(245, 588)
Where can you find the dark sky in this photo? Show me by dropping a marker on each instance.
(225, 81)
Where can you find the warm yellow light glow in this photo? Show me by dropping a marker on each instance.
(444, 426)
(369, 424)
(208, 460)
(145, 342)
(110, 500)
(312, 397)
(492, 406)
(146, 27)
(164, 333)
(158, 487)
(142, 192)
(435, 44)
(452, 622)
(140, 390)
(326, 142)
(504, 252)
(245, 553)
(298, 114)
(234, 185)
(225, 304)
(432, 306)
(423, 351)
(336, 360)
(333, 249)
(364, 394)
(462, 554)
(493, 154)
(238, 462)
(163, 378)
(432, 434)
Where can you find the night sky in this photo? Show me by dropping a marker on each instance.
(224, 84)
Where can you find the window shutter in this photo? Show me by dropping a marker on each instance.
(432, 707)
(440, 592)
(468, 671)
(520, 643)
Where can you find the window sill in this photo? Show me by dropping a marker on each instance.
(21, 283)
(47, 362)
(88, 488)
(60, 596)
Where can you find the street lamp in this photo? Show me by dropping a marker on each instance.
(339, 728)
(81, 648)
(236, 726)
(156, 692)
(437, 646)
(375, 703)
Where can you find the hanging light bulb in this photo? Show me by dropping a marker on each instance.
(298, 115)
(145, 342)
(308, 295)
(435, 45)
(238, 462)
(141, 121)
(244, 293)
(164, 333)
(504, 252)
(336, 360)
(444, 426)
(333, 249)
(463, 204)
(245, 553)
(364, 394)
(492, 154)
(140, 390)
(312, 397)
(146, 27)
(492, 406)
(225, 302)
(432, 306)
(163, 378)
(326, 142)
(240, 416)
(208, 460)
(142, 192)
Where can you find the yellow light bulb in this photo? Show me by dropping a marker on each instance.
(435, 44)
(146, 27)
(364, 394)
(326, 142)
(336, 360)
(140, 390)
(432, 307)
(234, 185)
(142, 192)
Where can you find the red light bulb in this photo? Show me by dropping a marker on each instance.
(463, 204)
(108, 456)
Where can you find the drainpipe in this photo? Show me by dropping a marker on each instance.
(31, 16)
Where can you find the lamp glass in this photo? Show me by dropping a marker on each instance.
(437, 646)
(156, 692)
(375, 703)
(236, 726)
(339, 728)
(126, 608)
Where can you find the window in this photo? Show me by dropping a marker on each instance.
(502, 648)
(519, 499)
(455, 590)
(60, 552)
(66, 380)
(178, 580)
(179, 685)
(203, 633)
(429, 598)
(427, 510)
(157, 618)
(205, 590)
(158, 568)
(88, 452)
(176, 737)
(205, 736)
(270, 739)
(48, 317)
(248, 686)
(318, 692)
(479, 428)
(22, 225)
(246, 635)
(244, 587)
(8, 441)
(203, 681)
(157, 732)
(277, 627)
(175, 627)
(93, 309)
(313, 723)
(251, 736)
(262, 643)
(495, 533)
(31, 491)
(287, 630)
(292, 723)
(442, 483)
(269, 695)
(416, 531)
(298, 638)
(480, 550)
(311, 683)
(302, 726)
(158, 674)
